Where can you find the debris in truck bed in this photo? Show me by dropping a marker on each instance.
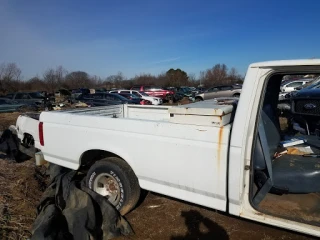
(70, 210)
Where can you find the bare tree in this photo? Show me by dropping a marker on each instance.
(96, 81)
(9, 77)
(145, 79)
(115, 80)
(177, 78)
(216, 75)
(34, 84)
(193, 80)
(10, 71)
(234, 76)
(49, 77)
(60, 74)
(79, 79)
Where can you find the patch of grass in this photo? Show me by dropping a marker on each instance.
(20, 193)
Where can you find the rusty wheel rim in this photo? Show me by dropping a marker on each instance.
(107, 186)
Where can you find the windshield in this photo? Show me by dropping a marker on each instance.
(144, 94)
(36, 95)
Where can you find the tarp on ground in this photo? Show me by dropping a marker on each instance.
(70, 210)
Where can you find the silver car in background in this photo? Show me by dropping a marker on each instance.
(220, 91)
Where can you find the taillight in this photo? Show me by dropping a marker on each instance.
(41, 134)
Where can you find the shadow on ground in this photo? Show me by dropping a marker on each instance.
(193, 221)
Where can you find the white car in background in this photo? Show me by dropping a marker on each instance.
(143, 95)
(290, 86)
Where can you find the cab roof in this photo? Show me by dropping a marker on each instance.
(285, 63)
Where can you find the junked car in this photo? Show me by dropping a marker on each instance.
(219, 91)
(135, 98)
(143, 95)
(310, 85)
(105, 99)
(291, 86)
(164, 94)
(8, 105)
(26, 97)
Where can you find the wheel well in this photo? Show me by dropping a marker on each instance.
(90, 156)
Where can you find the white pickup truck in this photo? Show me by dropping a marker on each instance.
(223, 156)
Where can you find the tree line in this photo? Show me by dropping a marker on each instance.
(59, 78)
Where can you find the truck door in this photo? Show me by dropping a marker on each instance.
(269, 182)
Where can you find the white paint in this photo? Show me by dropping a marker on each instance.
(28, 125)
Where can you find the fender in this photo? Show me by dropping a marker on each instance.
(114, 149)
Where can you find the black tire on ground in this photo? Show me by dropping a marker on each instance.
(236, 95)
(198, 99)
(124, 176)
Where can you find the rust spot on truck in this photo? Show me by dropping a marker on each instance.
(220, 138)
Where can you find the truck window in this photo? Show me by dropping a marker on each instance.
(285, 155)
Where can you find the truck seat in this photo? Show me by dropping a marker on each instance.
(288, 173)
(296, 174)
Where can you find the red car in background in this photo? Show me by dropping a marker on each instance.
(155, 92)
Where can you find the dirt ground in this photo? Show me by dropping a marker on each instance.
(157, 216)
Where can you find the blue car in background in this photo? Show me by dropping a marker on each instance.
(8, 105)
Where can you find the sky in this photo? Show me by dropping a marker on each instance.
(147, 36)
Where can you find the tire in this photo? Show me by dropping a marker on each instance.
(236, 95)
(198, 99)
(115, 175)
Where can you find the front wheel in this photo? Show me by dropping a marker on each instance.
(113, 178)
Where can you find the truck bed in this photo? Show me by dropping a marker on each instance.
(163, 145)
(206, 113)
(125, 111)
